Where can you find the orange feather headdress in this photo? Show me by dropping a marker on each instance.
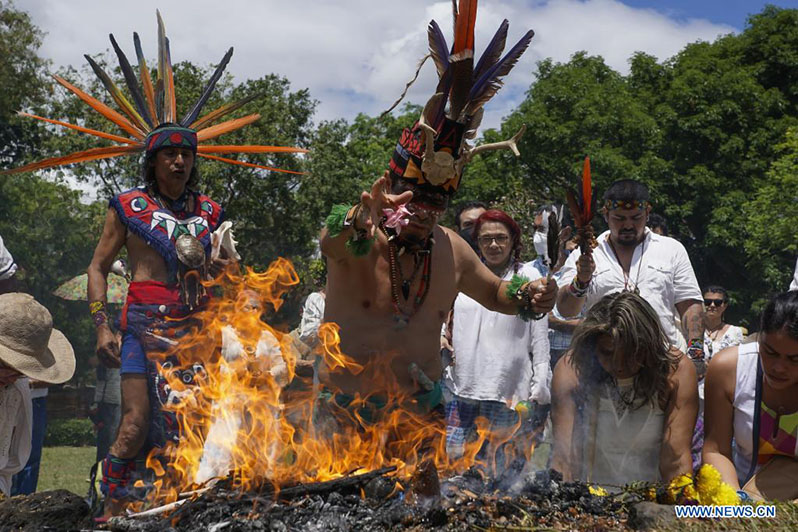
(152, 106)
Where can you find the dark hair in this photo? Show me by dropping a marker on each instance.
(657, 220)
(717, 289)
(466, 206)
(781, 314)
(634, 327)
(627, 190)
(495, 215)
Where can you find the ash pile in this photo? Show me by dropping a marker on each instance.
(377, 501)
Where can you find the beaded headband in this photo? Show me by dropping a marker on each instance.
(626, 204)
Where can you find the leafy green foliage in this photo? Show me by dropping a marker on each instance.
(69, 432)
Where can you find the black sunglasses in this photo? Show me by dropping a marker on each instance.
(716, 302)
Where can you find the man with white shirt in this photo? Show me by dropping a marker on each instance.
(630, 257)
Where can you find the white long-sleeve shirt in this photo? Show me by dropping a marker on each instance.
(660, 269)
(16, 424)
(499, 357)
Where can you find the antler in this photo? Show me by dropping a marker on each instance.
(509, 144)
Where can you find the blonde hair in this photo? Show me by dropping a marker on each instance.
(637, 338)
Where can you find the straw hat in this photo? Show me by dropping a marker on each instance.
(28, 342)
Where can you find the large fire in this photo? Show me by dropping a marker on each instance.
(249, 416)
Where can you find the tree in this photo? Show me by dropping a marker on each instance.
(21, 81)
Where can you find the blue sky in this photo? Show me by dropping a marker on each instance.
(731, 12)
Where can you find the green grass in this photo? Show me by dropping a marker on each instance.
(66, 468)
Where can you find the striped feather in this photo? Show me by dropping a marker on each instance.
(249, 165)
(438, 48)
(222, 111)
(221, 148)
(78, 157)
(192, 115)
(486, 86)
(493, 51)
(225, 127)
(103, 109)
(86, 130)
(132, 83)
(117, 95)
(146, 80)
(587, 192)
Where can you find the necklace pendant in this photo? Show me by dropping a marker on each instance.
(406, 289)
(400, 322)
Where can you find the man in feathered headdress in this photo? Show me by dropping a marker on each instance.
(166, 227)
(393, 272)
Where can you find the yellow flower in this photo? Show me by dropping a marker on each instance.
(598, 491)
(651, 494)
(712, 489)
(681, 488)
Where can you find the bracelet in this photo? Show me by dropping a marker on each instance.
(518, 290)
(577, 288)
(344, 217)
(98, 313)
(695, 349)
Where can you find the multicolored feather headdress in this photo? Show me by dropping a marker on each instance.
(154, 105)
(435, 150)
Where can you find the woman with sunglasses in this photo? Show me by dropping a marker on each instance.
(718, 335)
(752, 399)
(500, 369)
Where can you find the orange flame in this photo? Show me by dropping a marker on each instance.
(249, 418)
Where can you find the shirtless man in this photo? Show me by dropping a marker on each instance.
(160, 225)
(360, 297)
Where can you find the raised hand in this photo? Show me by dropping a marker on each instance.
(375, 201)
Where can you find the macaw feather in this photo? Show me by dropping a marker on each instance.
(553, 239)
(573, 206)
(146, 79)
(493, 52)
(225, 127)
(132, 83)
(248, 165)
(222, 111)
(232, 148)
(486, 86)
(192, 115)
(461, 71)
(92, 154)
(82, 129)
(438, 48)
(165, 77)
(587, 192)
(464, 27)
(101, 108)
(117, 95)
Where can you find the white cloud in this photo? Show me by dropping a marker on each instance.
(356, 55)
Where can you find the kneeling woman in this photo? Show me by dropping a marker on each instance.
(624, 402)
(751, 397)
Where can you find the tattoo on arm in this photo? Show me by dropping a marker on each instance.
(693, 322)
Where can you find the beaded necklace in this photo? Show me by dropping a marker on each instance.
(398, 284)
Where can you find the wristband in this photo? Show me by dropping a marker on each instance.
(344, 217)
(695, 349)
(98, 313)
(744, 497)
(518, 290)
(116, 474)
